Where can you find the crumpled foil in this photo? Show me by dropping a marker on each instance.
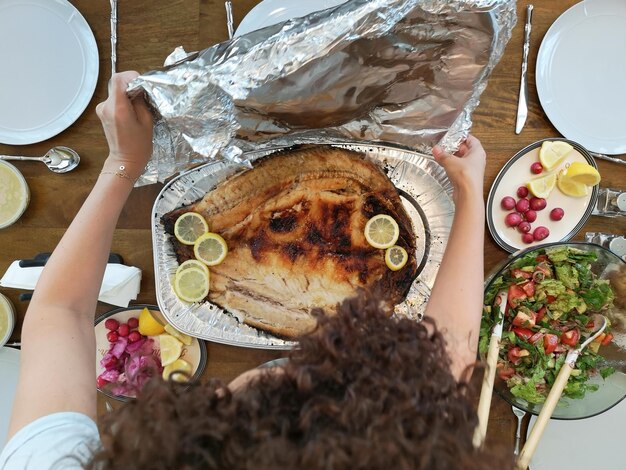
(408, 72)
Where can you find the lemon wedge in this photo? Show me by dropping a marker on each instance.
(189, 227)
(381, 231)
(211, 249)
(179, 365)
(552, 153)
(171, 349)
(570, 187)
(182, 337)
(583, 173)
(542, 186)
(148, 325)
(396, 257)
(191, 285)
(193, 263)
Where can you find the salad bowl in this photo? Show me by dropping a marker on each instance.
(602, 380)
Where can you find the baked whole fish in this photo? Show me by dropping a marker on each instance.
(294, 227)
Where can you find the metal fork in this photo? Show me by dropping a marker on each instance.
(519, 414)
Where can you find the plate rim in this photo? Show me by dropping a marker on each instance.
(63, 121)
(109, 313)
(519, 154)
(541, 66)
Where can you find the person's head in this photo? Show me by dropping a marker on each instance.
(363, 391)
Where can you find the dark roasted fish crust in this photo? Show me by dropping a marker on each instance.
(294, 227)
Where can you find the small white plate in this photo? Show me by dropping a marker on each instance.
(195, 354)
(270, 12)
(596, 442)
(9, 375)
(515, 173)
(50, 66)
(580, 75)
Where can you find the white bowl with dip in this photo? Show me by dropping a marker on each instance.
(7, 320)
(14, 194)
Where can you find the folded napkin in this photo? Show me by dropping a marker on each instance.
(120, 284)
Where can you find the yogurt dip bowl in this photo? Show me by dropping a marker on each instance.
(14, 194)
(7, 320)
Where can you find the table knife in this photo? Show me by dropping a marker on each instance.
(522, 103)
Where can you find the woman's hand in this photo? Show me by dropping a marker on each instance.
(466, 168)
(127, 126)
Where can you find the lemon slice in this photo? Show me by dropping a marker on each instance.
(211, 249)
(189, 227)
(148, 325)
(552, 153)
(185, 339)
(171, 349)
(570, 187)
(542, 186)
(179, 365)
(396, 257)
(381, 231)
(193, 263)
(191, 285)
(583, 173)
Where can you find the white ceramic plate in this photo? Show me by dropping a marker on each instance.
(270, 12)
(195, 354)
(9, 374)
(596, 442)
(49, 63)
(517, 173)
(580, 75)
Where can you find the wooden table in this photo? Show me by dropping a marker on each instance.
(148, 31)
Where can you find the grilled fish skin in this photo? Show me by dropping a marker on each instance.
(294, 228)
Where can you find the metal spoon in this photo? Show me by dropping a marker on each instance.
(519, 414)
(58, 159)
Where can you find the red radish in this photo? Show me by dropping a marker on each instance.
(523, 227)
(541, 233)
(537, 203)
(522, 191)
(133, 323)
(522, 205)
(557, 214)
(530, 215)
(134, 336)
(123, 330)
(110, 363)
(112, 336)
(507, 203)
(111, 324)
(100, 382)
(536, 168)
(528, 238)
(513, 219)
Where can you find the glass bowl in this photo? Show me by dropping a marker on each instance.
(612, 390)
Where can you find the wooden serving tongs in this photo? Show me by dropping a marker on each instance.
(484, 404)
(599, 324)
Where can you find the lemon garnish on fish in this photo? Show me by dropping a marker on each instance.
(396, 257)
(382, 231)
(193, 263)
(211, 249)
(191, 285)
(189, 227)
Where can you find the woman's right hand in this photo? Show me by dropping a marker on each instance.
(127, 126)
(466, 168)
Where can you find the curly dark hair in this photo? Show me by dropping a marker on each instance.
(364, 391)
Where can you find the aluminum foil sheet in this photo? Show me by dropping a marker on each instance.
(408, 72)
(426, 194)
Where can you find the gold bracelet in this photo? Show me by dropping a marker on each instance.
(121, 172)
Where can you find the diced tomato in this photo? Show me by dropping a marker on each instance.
(550, 299)
(516, 295)
(589, 325)
(550, 342)
(541, 258)
(529, 288)
(536, 337)
(524, 319)
(505, 372)
(521, 273)
(571, 337)
(541, 313)
(516, 354)
(607, 339)
(523, 333)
